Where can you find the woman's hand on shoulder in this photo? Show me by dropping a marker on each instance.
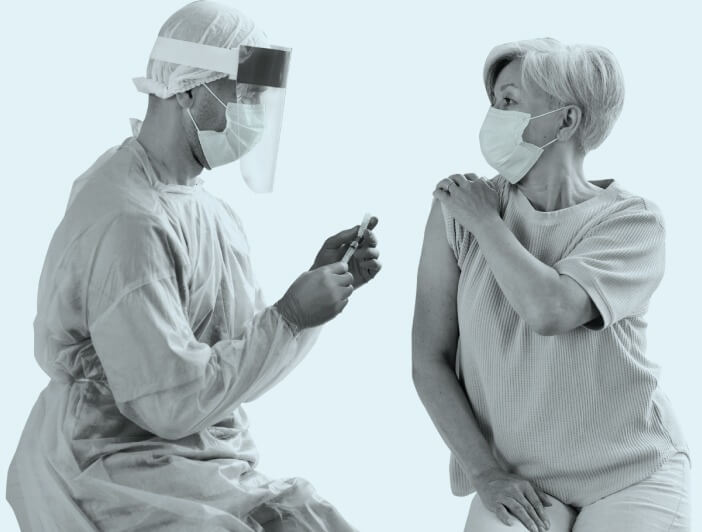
(470, 199)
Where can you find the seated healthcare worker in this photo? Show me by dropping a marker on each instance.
(150, 322)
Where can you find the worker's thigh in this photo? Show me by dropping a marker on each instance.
(286, 525)
(659, 503)
(480, 519)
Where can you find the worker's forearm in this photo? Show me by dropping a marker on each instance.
(449, 409)
(531, 286)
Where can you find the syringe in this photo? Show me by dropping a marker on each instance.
(354, 245)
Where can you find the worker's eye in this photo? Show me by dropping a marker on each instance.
(250, 94)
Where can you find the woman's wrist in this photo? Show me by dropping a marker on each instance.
(481, 475)
(484, 224)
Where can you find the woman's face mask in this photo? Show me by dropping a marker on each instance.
(503, 146)
(242, 132)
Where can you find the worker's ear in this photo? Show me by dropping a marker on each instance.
(185, 99)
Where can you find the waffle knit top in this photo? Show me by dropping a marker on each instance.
(580, 414)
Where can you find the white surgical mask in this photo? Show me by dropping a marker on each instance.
(503, 146)
(242, 132)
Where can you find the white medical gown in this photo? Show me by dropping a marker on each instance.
(153, 331)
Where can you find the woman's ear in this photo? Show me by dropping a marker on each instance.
(570, 123)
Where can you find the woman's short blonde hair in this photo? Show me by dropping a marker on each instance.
(582, 75)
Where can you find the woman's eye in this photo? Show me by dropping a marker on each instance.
(508, 101)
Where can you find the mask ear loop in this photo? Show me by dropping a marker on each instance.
(216, 97)
(548, 143)
(213, 94)
(548, 112)
(544, 114)
(193, 120)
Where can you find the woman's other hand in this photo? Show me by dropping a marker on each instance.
(508, 495)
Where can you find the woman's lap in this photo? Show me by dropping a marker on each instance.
(480, 519)
(660, 503)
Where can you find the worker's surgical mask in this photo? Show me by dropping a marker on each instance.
(243, 131)
(503, 146)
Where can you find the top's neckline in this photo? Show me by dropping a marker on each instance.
(608, 186)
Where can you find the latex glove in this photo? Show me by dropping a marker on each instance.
(317, 295)
(364, 264)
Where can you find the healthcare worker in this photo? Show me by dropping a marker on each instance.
(150, 322)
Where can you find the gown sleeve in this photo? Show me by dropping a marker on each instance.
(160, 375)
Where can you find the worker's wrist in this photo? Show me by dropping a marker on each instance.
(286, 309)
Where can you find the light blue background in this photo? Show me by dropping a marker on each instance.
(384, 100)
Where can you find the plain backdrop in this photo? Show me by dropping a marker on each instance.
(384, 100)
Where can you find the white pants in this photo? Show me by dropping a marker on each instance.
(660, 503)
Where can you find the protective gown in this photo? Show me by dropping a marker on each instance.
(153, 331)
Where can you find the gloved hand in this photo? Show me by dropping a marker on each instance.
(317, 295)
(364, 264)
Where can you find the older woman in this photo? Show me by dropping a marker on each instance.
(529, 337)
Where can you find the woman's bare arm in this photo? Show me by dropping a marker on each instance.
(434, 341)
(548, 302)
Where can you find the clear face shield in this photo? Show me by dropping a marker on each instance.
(261, 77)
